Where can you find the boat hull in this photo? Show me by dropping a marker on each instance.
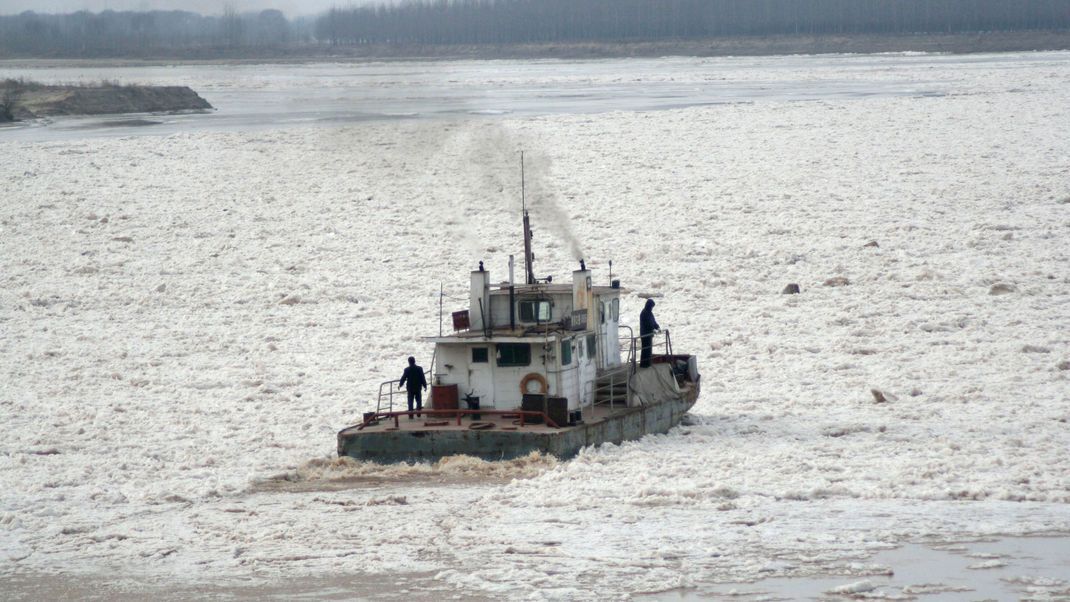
(625, 424)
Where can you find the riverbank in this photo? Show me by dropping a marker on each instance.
(948, 43)
(22, 100)
(954, 43)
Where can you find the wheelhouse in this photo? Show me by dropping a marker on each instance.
(534, 339)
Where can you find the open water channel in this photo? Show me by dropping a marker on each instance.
(249, 96)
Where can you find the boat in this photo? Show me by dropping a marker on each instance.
(539, 366)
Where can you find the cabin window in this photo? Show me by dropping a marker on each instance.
(614, 310)
(480, 355)
(602, 313)
(591, 345)
(566, 352)
(535, 310)
(514, 354)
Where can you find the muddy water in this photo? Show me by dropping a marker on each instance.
(339, 474)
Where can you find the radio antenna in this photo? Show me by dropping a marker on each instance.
(528, 257)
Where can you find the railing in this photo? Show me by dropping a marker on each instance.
(631, 345)
(628, 343)
(617, 376)
(522, 414)
(390, 391)
(634, 345)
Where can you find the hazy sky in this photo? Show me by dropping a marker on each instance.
(208, 7)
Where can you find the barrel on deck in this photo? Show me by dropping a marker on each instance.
(444, 397)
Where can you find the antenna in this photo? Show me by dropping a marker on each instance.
(528, 257)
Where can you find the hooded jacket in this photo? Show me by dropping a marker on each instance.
(647, 323)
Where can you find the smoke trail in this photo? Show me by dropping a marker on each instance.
(495, 154)
(542, 199)
(483, 160)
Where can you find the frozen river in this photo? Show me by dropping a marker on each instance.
(169, 422)
(291, 95)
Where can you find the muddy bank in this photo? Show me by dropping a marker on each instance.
(21, 100)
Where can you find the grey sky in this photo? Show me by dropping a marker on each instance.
(209, 7)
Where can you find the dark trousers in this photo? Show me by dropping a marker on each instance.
(419, 402)
(644, 354)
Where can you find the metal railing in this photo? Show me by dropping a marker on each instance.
(611, 380)
(390, 391)
(628, 343)
(458, 413)
(655, 343)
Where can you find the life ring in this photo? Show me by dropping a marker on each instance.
(534, 376)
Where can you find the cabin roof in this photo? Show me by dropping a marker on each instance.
(508, 335)
(552, 289)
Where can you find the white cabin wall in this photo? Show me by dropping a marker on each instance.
(586, 375)
(471, 378)
(498, 387)
(612, 339)
(456, 356)
(570, 376)
(507, 395)
(609, 333)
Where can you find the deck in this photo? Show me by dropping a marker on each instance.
(498, 435)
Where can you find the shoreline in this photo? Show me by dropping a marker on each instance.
(956, 43)
(22, 100)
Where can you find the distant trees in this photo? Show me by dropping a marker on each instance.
(425, 22)
(542, 21)
(127, 33)
(270, 27)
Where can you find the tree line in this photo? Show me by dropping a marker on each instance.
(429, 22)
(543, 21)
(141, 33)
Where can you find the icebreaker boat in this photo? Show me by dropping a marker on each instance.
(534, 365)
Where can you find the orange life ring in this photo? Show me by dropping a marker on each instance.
(543, 385)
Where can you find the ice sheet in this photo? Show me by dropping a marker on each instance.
(152, 380)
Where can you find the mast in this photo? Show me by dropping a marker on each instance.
(528, 257)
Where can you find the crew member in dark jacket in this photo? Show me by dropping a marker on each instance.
(647, 326)
(414, 376)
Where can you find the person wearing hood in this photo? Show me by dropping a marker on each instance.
(647, 326)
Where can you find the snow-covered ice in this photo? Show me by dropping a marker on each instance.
(186, 321)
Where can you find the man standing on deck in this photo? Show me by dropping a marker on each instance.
(647, 326)
(414, 376)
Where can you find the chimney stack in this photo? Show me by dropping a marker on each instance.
(479, 306)
(582, 295)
